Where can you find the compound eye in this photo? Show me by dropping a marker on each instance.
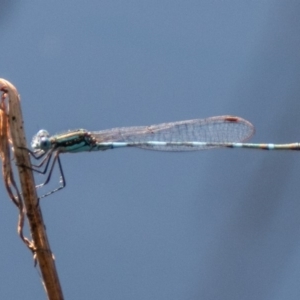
(41, 140)
(45, 143)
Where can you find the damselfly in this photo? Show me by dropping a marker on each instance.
(191, 135)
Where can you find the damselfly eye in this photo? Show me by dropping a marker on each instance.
(45, 143)
(41, 140)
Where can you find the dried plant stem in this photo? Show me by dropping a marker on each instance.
(40, 245)
(7, 170)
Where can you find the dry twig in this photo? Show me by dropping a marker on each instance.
(39, 245)
(7, 170)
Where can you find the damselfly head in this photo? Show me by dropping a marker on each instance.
(41, 141)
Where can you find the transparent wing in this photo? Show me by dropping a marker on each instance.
(222, 129)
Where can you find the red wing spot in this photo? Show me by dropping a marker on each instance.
(231, 119)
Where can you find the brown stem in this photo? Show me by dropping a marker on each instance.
(41, 247)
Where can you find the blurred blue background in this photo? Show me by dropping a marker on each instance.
(132, 224)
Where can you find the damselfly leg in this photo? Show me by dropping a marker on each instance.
(62, 177)
(46, 159)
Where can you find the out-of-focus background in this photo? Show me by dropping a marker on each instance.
(132, 224)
